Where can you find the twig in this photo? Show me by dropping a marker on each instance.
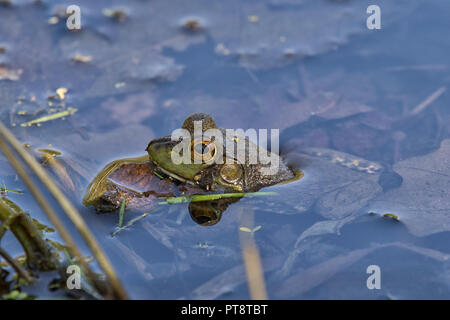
(133, 221)
(54, 116)
(43, 203)
(428, 100)
(252, 259)
(121, 212)
(216, 196)
(37, 251)
(49, 157)
(4, 189)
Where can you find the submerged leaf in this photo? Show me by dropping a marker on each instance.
(335, 189)
(423, 200)
(305, 280)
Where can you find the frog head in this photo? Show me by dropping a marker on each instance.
(212, 158)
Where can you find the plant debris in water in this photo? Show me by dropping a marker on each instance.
(209, 197)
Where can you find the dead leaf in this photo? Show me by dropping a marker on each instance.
(423, 200)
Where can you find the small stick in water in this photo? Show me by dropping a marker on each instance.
(122, 211)
(429, 100)
(53, 116)
(216, 196)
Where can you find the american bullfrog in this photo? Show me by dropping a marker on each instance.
(214, 164)
(230, 174)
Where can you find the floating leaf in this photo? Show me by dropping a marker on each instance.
(81, 58)
(256, 228)
(338, 189)
(61, 92)
(391, 215)
(215, 196)
(53, 116)
(245, 229)
(50, 152)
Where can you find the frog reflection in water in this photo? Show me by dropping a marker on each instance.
(139, 180)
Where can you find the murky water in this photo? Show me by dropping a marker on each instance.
(364, 113)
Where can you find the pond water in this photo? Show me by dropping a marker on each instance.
(364, 113)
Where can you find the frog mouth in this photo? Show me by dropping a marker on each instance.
(159, 170)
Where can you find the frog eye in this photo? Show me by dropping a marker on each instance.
(231, 172)
(203, 150)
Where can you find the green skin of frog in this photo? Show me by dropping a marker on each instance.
(228, 176)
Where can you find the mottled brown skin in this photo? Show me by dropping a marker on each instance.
(140, 181)
(207, 122)
(137, 184)
(132, 182)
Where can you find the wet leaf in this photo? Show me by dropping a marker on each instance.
(262, 38)
(305, 280)
(335, 185)
(390, 215)
(423, 199)
(134, 260)
(323, 227)
(228, 281)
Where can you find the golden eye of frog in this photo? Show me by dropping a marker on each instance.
(216, 160)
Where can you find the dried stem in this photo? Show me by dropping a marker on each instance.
(250, 254)
(67, 207)
(36, 249)
(20, 271)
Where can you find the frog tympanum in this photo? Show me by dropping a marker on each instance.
(208, 159)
